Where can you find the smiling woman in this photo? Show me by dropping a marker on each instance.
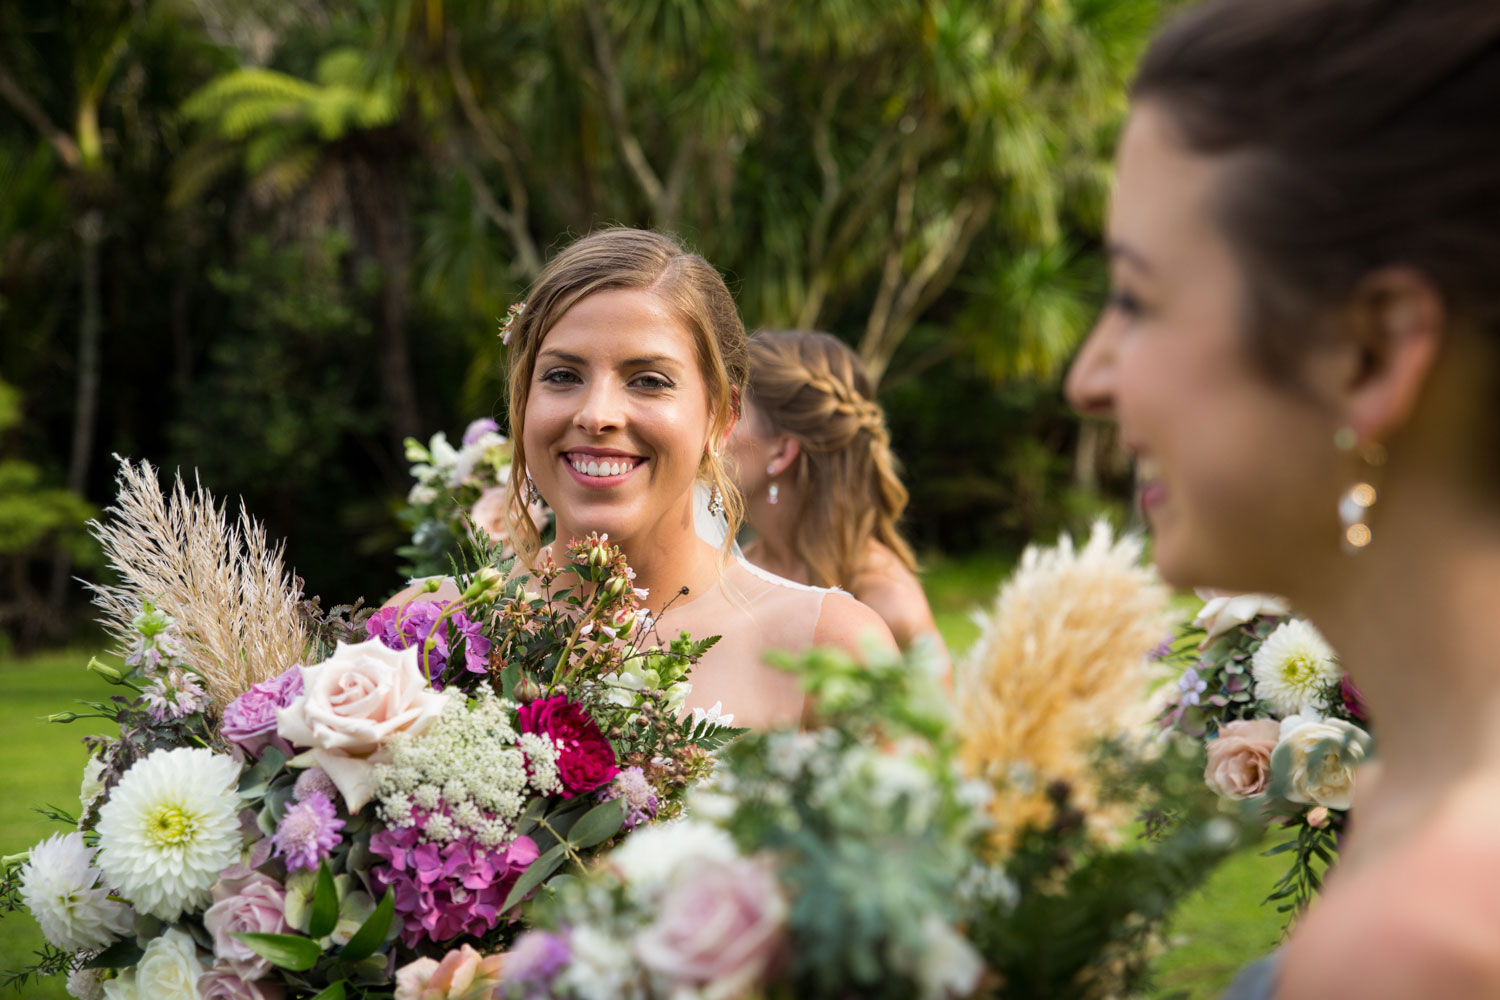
(626, 370)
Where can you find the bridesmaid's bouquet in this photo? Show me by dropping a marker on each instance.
(457, 490)
(301, 803)
(1282, 726)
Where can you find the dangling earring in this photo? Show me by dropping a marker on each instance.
(715, 501)
(533, 495)
(1356, 502)
(773, 495)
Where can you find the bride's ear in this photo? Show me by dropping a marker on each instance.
(1395, 327)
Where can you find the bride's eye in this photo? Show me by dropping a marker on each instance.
(559, 376)
(652, 382)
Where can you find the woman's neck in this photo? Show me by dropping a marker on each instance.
(775, 526)
(666, 558)
(1416, 620)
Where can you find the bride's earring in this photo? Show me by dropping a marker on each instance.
(773, 495)
(715, 501)
(533, 495)
(1357, 501)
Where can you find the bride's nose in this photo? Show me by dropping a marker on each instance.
(602, 409)
(1090, 385)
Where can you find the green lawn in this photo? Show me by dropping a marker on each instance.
(1216, 931)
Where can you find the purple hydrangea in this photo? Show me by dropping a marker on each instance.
(444, 890)
(640, 799)
(1190, 687)
(308, 832)
(534, 961)
(478, 429)
(250, 720)
(411, 624)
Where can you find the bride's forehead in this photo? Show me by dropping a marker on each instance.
(618, 325)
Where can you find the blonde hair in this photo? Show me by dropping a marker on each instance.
(813, 387)
(621, 258)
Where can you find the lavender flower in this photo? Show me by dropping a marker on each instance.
(411, 624)
(308, 831)
(535, 960)
(1191, 687)
(250, 720)
(478, 429)
(640, 799)
(179, 695)
(314, 781)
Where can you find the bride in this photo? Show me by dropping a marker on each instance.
(626, 367)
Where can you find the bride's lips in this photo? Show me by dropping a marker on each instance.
(600, 456)
(1151, 492)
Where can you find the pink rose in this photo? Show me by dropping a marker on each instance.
(721, 928)
(463, 974)
(250, 720)
(585, 758)
(1239, 759)
(245, 902)
(218, 985)
(352, 704)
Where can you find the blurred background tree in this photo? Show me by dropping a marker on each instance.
(270, 238)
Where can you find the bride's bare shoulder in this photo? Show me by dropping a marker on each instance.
(847, 624)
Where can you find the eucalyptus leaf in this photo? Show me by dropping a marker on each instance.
(598, 824)
(285, 951)
(535, 874)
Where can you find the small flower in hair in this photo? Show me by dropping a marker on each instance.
(509, 325)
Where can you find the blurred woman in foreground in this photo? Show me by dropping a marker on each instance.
(1302, 350)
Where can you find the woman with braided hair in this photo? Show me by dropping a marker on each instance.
(813, 461)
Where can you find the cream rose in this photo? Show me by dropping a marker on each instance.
(1239, 759)
(122, 987)
(1223, 612)
(719, 929)
(170, 968)
(1316, 760)
(351, 705)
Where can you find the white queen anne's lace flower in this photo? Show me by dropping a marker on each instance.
(61, 888)
(169, 828)
(1293, 667)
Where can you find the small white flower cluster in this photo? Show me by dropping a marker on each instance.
(471, 761)
(440, 466)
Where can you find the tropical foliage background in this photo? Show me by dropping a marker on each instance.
(268, 239)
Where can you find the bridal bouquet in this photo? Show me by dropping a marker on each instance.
(310, 804)
(1282, 725)
(453, 489)
(900, 848)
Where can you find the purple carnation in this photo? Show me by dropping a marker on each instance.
(478, 429)
(308, 831)
(250, 719)
(444, 890)
(411, 624)
(535, 960)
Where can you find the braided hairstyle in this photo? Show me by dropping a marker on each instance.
(813, 387)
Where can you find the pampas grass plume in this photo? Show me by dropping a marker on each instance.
(235, 605)
(1060, 665)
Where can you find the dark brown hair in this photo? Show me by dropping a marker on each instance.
(1355, 134)
(697, 296)
(813, 387)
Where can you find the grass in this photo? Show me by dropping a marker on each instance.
(1214, 932)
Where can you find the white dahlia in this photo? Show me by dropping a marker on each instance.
(1293, 667)
(61, 888)
(170, 826)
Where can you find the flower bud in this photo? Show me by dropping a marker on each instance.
(528, 690)
(62, 716)
(615, 587)
(106, 671)
(486, 581)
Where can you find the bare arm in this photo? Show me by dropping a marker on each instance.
(846, 624)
